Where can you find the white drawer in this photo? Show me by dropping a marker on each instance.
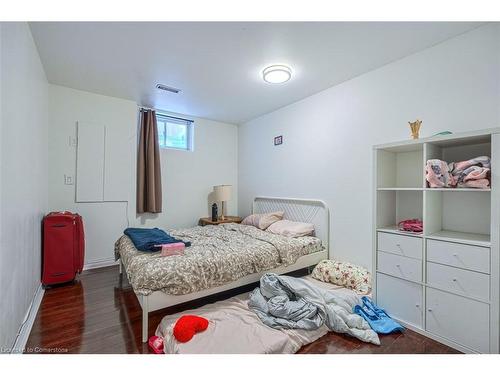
(401, 299)
(469, 283)
(474, 258)
(400, 244)
(459, 319)
(397, 265)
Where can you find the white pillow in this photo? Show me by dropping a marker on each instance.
(262, 221)
(291, 228)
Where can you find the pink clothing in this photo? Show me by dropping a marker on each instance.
(482, 161)
(172, 249)
(438, 174)
(473, 173)
(476, 173)
(411, 225)
(478, 184)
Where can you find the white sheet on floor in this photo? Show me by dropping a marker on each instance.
(235, 329)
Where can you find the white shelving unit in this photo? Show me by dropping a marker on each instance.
(444, 282)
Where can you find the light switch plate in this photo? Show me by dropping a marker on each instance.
(72, 141)
(68, 180)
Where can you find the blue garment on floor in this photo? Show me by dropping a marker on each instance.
(146, 239)
(376, 317)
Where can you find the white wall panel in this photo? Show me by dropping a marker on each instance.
(90, 161)
(119, 163)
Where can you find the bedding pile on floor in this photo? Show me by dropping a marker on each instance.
(290, 303)
(253, 336)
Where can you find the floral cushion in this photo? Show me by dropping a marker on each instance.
(344, 274)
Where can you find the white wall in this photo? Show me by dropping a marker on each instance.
(187, 177)
(328, 137)
(23, 174)
(104, 222)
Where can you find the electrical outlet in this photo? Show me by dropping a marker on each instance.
(68, 180)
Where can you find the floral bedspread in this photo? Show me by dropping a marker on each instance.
(217, 255)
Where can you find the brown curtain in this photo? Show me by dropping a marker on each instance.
(148, 165)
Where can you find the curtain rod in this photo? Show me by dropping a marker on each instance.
(142, 109)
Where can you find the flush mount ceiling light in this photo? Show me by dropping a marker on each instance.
(277, 74)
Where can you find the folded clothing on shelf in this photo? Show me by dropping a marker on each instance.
(438, 174)
(472, 173)
(411, 225)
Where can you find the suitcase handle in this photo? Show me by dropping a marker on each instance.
(58, 225)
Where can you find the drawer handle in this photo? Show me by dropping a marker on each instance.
(417, 305)
(454, 279)
(430, 310)
(455, 255)
(397, 265)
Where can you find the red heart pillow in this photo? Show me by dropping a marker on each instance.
(187, 325)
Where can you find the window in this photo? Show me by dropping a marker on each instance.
(175, 133)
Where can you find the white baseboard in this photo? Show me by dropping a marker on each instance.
(437, 338)
(100, 263)
(29, 319)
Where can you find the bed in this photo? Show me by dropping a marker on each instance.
(224, 257)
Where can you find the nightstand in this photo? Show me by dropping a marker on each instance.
(228, 219)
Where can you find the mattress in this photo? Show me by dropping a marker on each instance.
(218, 255)
(253, 337)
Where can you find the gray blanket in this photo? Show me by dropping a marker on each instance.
(285, 302)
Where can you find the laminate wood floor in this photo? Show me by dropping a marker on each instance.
(99, 313)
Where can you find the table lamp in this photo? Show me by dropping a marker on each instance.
(223, 194)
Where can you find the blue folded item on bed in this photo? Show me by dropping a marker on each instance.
(148, 239)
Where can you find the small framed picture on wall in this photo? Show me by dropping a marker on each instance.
(278, 140)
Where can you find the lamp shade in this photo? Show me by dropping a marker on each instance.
(223, 192)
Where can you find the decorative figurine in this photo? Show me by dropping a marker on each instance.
(415, 128)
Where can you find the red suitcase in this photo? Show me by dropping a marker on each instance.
(63, 247)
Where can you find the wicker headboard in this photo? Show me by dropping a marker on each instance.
(305, 210)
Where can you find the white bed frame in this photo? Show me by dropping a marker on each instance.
(304, 210)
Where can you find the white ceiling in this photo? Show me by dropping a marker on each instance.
(218, 65)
